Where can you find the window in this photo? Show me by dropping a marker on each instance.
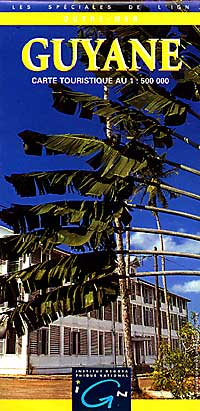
(44, 338)
(164, 320)
(134, 314)
(2, 347)
(100, 313)
(115, 311)
(33, 342)
(171, 303)
(147, 295)
(180, 305)
(174, 321)
(101, 344)
(119, 312)
(11, 341)
(94, 342)
(137, 314)
(148, 317)
(108, 343)
(133, 294)
(54, 340)
(162, 297)
(83, 336)
(138, 289)
(75, 342)
(150, 346)
(151, 315)
(67, 341)
(150, 295)
(121, 345)
(142, 347)
(108, 313)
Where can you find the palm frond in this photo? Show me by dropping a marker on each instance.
(107, 159)
(87, 183)
(71, 268)
(24, 218)
(65, 300)
(156, 99)
(94, 236)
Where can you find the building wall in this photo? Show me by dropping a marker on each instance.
(94, 339)
(15, 363)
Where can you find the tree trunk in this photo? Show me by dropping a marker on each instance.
(125, 302)
(125, 308)
(127, 260)
(158, 312)
(164, 283)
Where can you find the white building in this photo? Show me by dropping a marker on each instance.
(94, 339)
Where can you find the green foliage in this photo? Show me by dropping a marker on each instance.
(86, 224)
(69, 299)
(175, 370)
(67, 285)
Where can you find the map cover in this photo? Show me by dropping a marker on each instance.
(99, 230)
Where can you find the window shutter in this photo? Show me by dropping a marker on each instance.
(108, 343)
(67, 341)
(175, 322)
(54, 340)
(115, 310)
(94, 342)
(101, 343)
(138, 314)
(83, 342)
(138, 289)
(116, 343)
(151, 317)
(33, 342)
(108, 313)
(164, 320)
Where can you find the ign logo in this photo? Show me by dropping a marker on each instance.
(102, 388)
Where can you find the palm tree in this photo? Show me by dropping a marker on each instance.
(166, 296)
(123, 270)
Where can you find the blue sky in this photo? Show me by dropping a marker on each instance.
(26, 106)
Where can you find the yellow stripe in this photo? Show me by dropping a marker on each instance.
(65, 405)
(98, 18)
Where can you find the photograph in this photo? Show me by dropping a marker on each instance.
(99, 212)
